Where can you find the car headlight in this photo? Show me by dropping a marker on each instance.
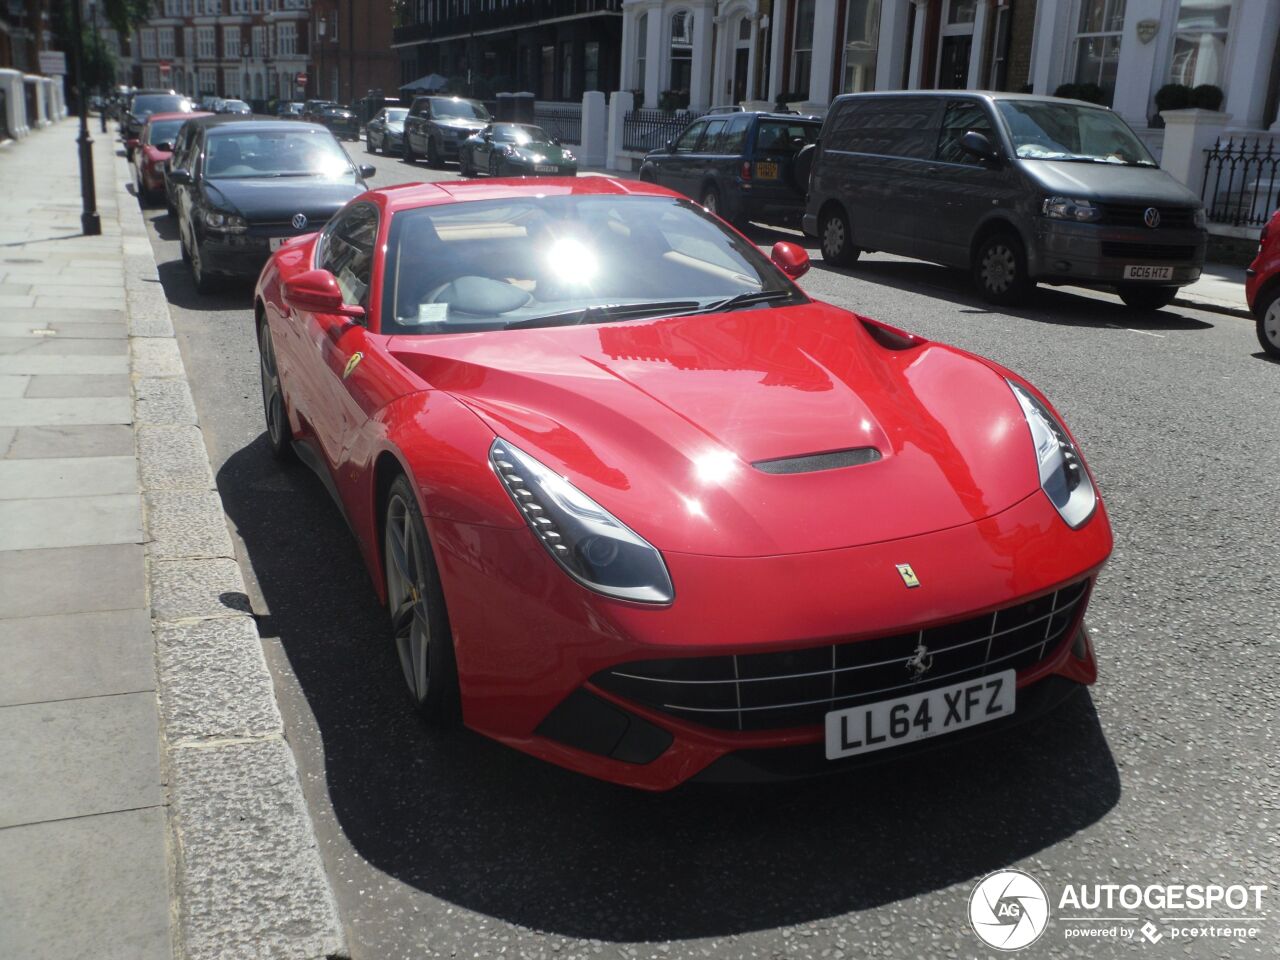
(1066, 208)
(225, 222)
(1063, 476)
(589, 543)
(1198, 218)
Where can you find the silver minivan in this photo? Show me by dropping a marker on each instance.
(1017, 189)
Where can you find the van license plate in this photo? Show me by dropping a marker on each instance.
(888, 723)
(1142, 272)
(767, 171)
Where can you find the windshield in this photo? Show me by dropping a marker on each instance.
(396, 116)
(459, 108)
(1068, 131)
(545, 261)
(519, 134)
(164, 131)
(236, 104)
(245, 154)
(160, 103)
(777, 136)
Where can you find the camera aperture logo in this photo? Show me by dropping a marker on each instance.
(1008, 910)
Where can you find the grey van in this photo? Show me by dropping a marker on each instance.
(1017, 189)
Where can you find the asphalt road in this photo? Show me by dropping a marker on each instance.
(450, 845)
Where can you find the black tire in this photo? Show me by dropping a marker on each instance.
(835, 236)
(430, 669)
(1267, 309)
(999, 269)
(711, 201)
(801, 167)
(182, 247)
(274, 409)
(199, 275)
(495, 165)
(409, 155)
(368, 145)
(464, 164)
(1146, 299)
(433, 154)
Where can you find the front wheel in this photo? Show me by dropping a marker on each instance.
(409, 155)
(415, 600)
(368, 144)
(1268, 309)
(495, 165)
(1000, 269)
(1138, 297)
(833, 231)
(433, 154)
(199, 272)
(279, 433)
(464, 164)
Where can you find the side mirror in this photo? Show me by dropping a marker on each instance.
(978, 145)
(317, 291)
(180, 176)
(671, 146)
(367, 170)
(555, 141)
(791, 258)
(488, 137)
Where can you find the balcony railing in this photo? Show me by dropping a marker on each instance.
(490, 15)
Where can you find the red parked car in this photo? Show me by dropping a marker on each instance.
(640, 507)
(155, 146)
(1262, 286)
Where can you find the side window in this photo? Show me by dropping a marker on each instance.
(347, 250)
(689, 139)
(888, 126)
(734, 138)
(711, 137)
(960, 117)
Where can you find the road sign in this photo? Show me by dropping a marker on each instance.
(301, 79)
(165, 67)
(53, 62)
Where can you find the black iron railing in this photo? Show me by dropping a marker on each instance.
(560, 120)
(650, 129)
(1241, 182)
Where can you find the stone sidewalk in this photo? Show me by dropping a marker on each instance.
(150, 807)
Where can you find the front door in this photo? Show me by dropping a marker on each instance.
(953, 63)
(741, 61)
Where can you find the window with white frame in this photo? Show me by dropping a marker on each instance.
(230, 42)
(1097, 44)
(259, 40)
(206, 43)
(642, 47)
(231, 82)
(1200, 42)
(188, 41)
(287, 39)
(165, 37)
(802, 51)
(151, 77)
(172, 8)
(147, 40)
(681, 62)
(208, 81)
(861, 38)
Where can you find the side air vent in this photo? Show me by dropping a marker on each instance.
(814, 462)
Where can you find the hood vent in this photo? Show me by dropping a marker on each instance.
(812, 463)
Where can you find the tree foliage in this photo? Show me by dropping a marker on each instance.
(124, 15)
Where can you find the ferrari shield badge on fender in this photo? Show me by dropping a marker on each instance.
(908, 575)
(355, 362)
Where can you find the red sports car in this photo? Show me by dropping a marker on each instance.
(1262, 286)
(155, 147)
(639, 506)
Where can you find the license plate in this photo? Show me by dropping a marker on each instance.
(767, 171)
(544, 168)
(1141, 272)
(919, 716)
(278, 242)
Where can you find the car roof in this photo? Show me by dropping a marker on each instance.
(171, 115)
(211, 120)
(408, 196)
(991, 95)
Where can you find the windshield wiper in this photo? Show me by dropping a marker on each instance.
(604, 311)
(747, 299)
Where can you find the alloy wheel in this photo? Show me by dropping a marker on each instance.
(999, 268)
(711, 202)
(833, 238)
(407, 591)
(272, 397)
(1269, 328)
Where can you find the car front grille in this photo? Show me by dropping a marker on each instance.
(796, 688)
(1130, 252)
(1133, 215)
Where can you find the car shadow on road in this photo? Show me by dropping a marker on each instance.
(233, 293)
(496, 832)
(1052, 305)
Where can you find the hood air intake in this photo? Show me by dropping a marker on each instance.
(812, 463)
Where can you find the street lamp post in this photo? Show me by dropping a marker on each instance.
(90, 224)
(97, 42)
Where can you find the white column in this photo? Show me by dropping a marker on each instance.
(620, 104)
(1050, 46)
(1187, 135)
(700, 75)
(15, 104)
(891, 57)
(630, 12)
(981, 15)
(1136, 72)
(824, 51)
(595, 132)
(1254, 28)
(654, 55)
(752, 63)
(915, 73)
(778, 24)
(723, 46)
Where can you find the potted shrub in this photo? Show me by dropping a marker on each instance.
(1173, 96)
(637, 98)
(1207, 97)
(670, 101)
(1067, 91)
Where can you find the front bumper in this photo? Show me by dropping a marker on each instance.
(529, 640)
(1097, 254)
